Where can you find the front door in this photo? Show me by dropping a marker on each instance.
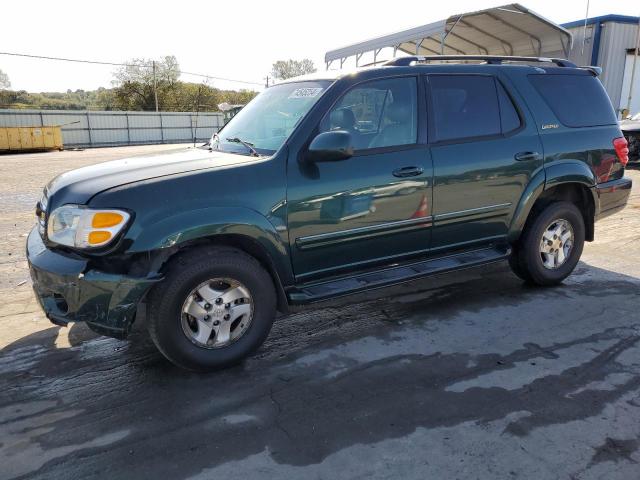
(485, 151)
(375, 206)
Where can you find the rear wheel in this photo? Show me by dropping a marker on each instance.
(551, 245)
(214, 307)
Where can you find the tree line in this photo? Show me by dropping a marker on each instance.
(136, 85)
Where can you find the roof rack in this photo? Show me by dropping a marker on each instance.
(490, 59)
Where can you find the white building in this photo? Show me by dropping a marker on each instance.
(609, 43)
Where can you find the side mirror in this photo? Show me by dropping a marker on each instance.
(331, 147)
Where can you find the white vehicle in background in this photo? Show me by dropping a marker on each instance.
(630, 127)
(229, 111)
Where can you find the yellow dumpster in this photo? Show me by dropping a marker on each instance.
(30, 138)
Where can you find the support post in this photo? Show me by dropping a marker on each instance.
(155, 85)
(89, 129)
(126, 115)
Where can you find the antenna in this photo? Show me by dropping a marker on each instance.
(584, 30)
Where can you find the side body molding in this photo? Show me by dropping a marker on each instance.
(547, 177)
(208, 222)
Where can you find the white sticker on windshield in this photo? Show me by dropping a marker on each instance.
(305, 92)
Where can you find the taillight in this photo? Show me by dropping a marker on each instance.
(622, 149)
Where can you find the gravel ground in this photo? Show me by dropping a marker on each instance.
(469, 375)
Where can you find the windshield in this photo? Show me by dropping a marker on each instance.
(266, 122)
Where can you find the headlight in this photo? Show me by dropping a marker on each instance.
(81, 227)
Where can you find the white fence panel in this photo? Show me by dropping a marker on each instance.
(98, 128)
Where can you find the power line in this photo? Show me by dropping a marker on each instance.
(114, 64)
(42, 57)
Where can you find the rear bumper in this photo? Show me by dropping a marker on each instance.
(612, 196)
(68, 290)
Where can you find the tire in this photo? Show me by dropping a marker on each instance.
(527, 259)
(171, 329)
(516, 268)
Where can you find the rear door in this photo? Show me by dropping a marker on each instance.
(485, 149)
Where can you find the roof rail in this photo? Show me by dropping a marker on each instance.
(491, 59)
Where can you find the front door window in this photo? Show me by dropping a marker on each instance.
(378, 114)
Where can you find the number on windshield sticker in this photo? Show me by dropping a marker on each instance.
(305, 92)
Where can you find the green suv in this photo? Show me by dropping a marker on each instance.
(332, 184)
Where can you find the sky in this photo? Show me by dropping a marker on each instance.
(231, 39)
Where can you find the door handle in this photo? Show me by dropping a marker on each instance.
(408, 172)
(526, 156)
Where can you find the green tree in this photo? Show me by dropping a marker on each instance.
(284, 69)
(4, 80)
(103, 99)
(134, 83)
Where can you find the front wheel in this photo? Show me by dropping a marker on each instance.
(214, 307)
(551, 245)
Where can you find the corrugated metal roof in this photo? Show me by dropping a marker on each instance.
(508, 30)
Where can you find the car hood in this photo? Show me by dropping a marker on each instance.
(79, 186)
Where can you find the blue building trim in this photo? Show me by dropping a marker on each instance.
(602, 19)
(597, 33)
(595, 49)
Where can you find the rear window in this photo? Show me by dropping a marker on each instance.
(577, 100)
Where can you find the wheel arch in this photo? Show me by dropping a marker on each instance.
(571, 181)
(243, 243)
(240, 228)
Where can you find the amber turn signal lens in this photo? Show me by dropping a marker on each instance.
(98, 237)
(106, 219)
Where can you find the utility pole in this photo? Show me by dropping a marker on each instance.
(633, 68)
(155, 85)
(267, 79)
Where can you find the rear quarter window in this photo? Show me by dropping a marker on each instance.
(576, 100)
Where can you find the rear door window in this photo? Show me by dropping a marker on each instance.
(464, 106)
(577, 100)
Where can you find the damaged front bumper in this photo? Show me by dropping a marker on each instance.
(68, 290)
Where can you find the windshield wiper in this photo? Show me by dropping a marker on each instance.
(249, 146)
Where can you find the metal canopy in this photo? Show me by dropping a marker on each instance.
(508, 30)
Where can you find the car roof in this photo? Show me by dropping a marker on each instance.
(449, 63)
(331, 75)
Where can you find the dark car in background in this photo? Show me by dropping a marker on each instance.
(332, 184)
(631, 129)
